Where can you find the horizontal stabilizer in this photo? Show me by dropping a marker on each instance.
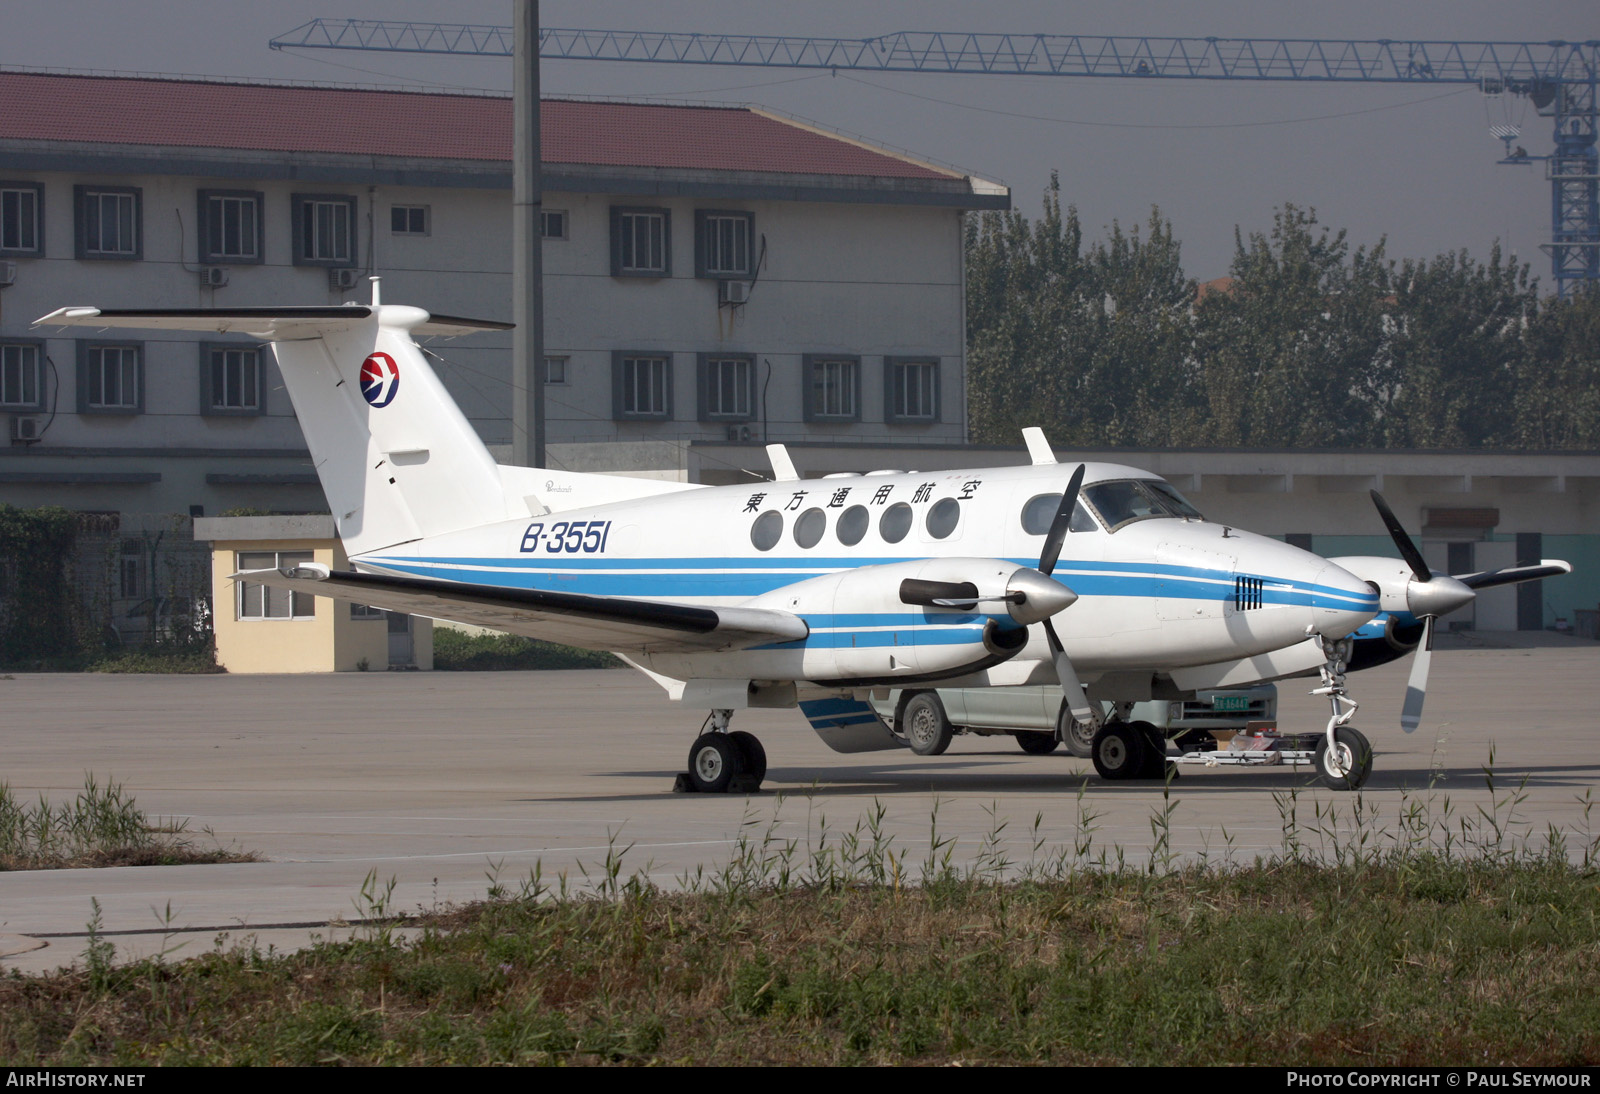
(593, 622)
(271, 324)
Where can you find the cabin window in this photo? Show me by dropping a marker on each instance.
(767, 530)
(895, 522)
(809, 528)
(1040, 513)
(852, 525)
(942, 519)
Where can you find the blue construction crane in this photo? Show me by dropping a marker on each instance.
(1559, 77)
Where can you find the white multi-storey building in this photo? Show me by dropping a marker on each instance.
(711, 274)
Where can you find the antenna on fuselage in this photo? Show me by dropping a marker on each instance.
(782, 466)
(1039, 449)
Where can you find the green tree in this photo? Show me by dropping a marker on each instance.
(1557, 400)
(1286, 352)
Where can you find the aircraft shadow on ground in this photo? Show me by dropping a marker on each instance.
(884, 780)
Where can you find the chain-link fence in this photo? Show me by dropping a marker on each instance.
(75, 584)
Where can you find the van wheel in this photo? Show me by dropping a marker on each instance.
(926, 728)
(1077, 736)
(1037, 744)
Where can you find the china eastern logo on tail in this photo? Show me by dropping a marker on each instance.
(380, 380)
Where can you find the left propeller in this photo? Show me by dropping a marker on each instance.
(1071, 687)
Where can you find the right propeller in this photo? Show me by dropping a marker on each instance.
(1428, 595)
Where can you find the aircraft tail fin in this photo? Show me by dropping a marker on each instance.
(396, 457)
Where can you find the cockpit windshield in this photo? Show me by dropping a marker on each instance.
(1128, 500)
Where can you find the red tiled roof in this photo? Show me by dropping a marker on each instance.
(262, 117)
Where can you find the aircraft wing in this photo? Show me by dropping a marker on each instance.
(595, 622)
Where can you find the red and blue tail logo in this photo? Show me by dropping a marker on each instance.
(380, 380)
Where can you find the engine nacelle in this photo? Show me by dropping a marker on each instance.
(1386, 638)
(863, 631)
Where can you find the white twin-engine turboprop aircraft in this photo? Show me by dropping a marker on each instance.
(818, 592)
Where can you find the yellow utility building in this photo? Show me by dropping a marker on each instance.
(273, 630)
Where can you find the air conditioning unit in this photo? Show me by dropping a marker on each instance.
(213, 277)
(343, 280)
(733, 292)
(24, 429)
(739, 433)
(8, 274)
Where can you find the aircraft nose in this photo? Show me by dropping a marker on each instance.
(1341, 602)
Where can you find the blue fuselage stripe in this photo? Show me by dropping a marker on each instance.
(690, 579)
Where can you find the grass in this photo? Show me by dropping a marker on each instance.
(459, 651)
(102, 826)
(1437, 939)
(132, 659)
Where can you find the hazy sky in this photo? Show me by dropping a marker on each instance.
(1413, 164)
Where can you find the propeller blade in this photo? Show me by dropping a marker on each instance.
(1397, 532)
(1511, 575)
(1071, 687)
(1058, 527)
(1417, 685)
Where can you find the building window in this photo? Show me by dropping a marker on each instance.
(230, 226)
(130, 569)
(324, 230)
(641, 242)
(726, 387)
(724, 244)
(833, 388)
(409, 220)
(110, 378)
(20, 381)
(230, 380)
(21, 225)
(642, 386)
(108, 222)
(258, 601)
(366, 611)
(911, 390)
(553, 223)
(555, 370)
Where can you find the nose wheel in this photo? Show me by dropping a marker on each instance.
(723, 762)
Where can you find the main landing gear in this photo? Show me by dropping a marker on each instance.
(723, 762)
(1130, 750)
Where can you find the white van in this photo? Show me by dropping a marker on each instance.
(1037, 716)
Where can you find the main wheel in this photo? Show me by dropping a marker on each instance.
(1119, 751)
(1347, 765)
(714, 759)
(926, 728)
(1077, 736)
(754, 756)
(1155, 756)
(1037, 744)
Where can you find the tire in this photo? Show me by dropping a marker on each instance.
(714, 760)
(1077, 736)
(1119, 752)
(926, 728)
(1354, 754)
(1155, 757)
(1037, 744)
(751, 752)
